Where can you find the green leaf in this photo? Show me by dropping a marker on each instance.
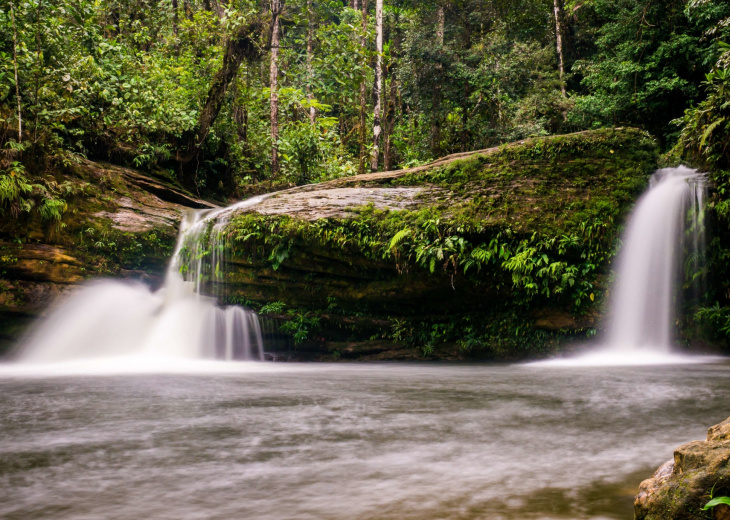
(716, 502)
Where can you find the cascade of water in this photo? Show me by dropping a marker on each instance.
(112, 318)
(665, 233)
(666, 222)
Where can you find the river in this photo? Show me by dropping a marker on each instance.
(346, 441)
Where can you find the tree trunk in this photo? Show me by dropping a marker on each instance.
(440, 29)
(241, 45)
(15, 68)
(174, 21)
(38, 69)
(276, 8)
(378, 84)
(389, 124)
(218, 9)
(558, 8)
(240, 113)
(435, 117)
(392, 102)
(310, 75)
(188, 10)
(363, 101)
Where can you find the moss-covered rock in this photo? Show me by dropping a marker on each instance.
(500, 253)
(681, 487)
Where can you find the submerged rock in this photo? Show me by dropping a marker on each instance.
(681, 487)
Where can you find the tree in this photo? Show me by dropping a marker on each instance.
(276, 8)
(15, 69)
(310, 50)
(649, 61)
(240, 46)
(363, 99)
(558, 11)
(378, 86)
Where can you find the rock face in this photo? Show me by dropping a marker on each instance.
(493, 254)
(119, 223)
(681, 487)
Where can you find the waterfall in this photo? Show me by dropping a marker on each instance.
(111, 319)
(667, 222)
(664, 243)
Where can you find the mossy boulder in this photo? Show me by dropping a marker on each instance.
(681, 487)
(499, 254)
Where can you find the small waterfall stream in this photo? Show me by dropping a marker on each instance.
(111, 319)
(663, 243)
(667, 222)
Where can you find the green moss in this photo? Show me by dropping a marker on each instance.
(110, 249)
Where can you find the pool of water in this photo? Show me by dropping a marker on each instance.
(347, 441)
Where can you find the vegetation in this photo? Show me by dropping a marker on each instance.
(184, 86)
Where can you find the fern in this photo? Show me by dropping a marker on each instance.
(399, 237)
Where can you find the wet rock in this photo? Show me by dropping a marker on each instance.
(337, 202)
(681, 487)
(554, 319)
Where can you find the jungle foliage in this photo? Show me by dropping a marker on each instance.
(132, 81)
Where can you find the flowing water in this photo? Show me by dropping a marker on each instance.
(127, 323)
(649, 267)
(387, 441)
(664, 243)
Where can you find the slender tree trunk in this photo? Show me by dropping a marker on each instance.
(188, 10)
(558, 8)
(392, 102)
(240, 110)
(310, 50)
(363, 100)
(435, 117)
(218, 9)
(440, 29)
(38, 70)
(355, 4)
(389, 124)
(378, 84)
(175, 22)
(276, 8)
(15, 68)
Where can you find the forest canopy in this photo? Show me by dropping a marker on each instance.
(223, 95)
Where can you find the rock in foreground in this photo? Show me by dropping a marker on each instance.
(680, 488)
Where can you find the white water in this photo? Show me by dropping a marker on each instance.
(665, 228)
(122, 324)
